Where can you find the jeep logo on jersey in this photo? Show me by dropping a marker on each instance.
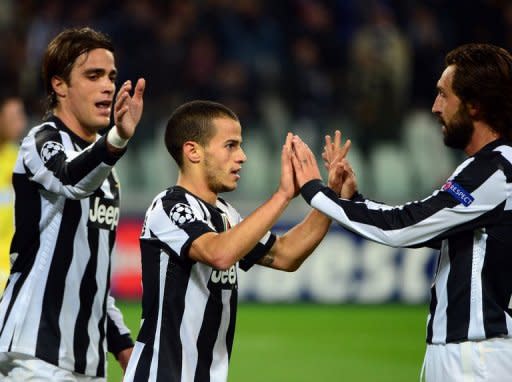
(50, 149)
(223, 279)
(181, 214)
(459, 193)
(103, 213)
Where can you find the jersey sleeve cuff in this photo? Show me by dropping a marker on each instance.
(310, 189)
(108, 156)
(122, 342)
(257, 253)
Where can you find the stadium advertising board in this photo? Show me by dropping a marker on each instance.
(344, 268)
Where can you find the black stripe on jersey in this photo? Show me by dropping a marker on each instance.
(174, 296)
(113, 341)
(26, 240)
(392, 219)
(432, 310)
(79, 167)
(48, 337)
(460, 250)
(230, 335)
(484, 165)
(208, 334)
(217, 220)
(88, 289)
(496, 294)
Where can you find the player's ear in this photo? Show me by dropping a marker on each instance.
(192, 151)
(59, 86)
(473, 109)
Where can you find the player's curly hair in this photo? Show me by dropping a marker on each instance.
(192, 121)
(62, 52)
(483, 77)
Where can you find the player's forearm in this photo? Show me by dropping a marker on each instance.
(225, 249)
(294, 247)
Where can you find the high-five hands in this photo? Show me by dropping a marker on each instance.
(128, 109)
(341, 178)
(288, 183)
(304, 162)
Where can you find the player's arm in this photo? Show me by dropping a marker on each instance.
(479, 198)
(222, 250)
(119, 341)
(74, 176)
(294, 247)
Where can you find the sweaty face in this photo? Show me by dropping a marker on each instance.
(451, 113)
(87, 99)
(224, 156)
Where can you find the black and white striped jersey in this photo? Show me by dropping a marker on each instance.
(188, 308)
(57, 305)
(470, 220)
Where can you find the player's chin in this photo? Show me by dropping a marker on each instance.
(227, 187)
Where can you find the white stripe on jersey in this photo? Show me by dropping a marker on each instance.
(439, 325)
(476, 317)
(219, 369)
(72, 295)
(195, 305)
(164, 264)
(487, 194)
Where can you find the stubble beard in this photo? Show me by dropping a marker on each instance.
(214, 180)
(459, 130)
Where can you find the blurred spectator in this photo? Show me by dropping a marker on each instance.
(13, 122)
(378, 77)
(303, 65)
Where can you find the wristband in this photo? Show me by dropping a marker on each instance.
(115, 139)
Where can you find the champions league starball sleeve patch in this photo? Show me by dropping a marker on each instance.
(50, 149)
(181, 214)
(458, 192)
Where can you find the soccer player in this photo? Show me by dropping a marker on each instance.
(469, 218)
(193, 243)
(57, 318)
(13, 122)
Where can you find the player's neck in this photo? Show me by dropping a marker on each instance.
(197, 187)
(72, 123)
(482, 136)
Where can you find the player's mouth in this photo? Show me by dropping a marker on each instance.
(104, 107)
(236, 173)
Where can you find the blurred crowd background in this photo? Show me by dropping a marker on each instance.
(366, 67)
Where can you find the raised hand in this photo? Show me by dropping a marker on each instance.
(335, 149)
(304, 162)
(341, 177)
(128, 109)
(288, 184)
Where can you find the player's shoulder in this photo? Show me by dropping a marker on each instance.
(43, 130)
(171, 197)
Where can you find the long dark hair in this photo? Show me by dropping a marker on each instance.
(62, 53)
(483, 77)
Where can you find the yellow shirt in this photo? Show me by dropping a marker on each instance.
(8, 153)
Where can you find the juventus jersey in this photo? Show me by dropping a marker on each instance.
(470, 220)
(188, 308)
(56, 305)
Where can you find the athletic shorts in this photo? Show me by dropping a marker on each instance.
(471, 361)
(16, 367)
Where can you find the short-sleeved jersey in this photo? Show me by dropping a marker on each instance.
(56, 305)
(188, 308)
(470, 220)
